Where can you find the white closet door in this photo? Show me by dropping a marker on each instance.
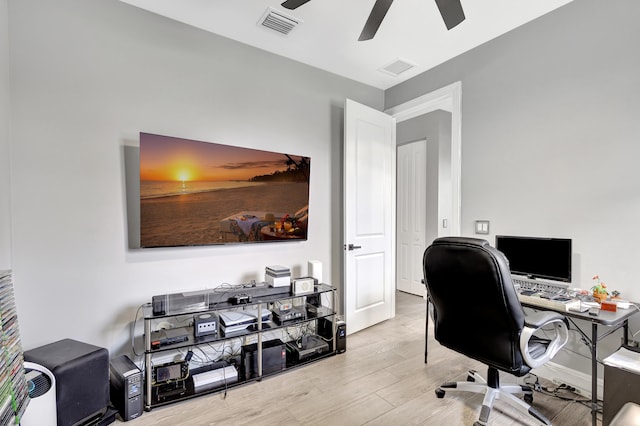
(411, 216)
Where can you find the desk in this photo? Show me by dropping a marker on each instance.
(612, 320)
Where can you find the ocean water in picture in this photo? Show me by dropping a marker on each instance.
(154, 189)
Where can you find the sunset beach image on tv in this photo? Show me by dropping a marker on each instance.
(200, 193)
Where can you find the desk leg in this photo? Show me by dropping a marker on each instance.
(626, 332)
(594, 373)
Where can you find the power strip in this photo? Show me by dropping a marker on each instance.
(583, 393)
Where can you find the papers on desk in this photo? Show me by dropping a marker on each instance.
(624, 359)
(562, 304)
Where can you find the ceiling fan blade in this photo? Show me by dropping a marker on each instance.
(451, 11)
(375, 19)
(294, 4)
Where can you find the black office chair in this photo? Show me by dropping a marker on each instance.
(476, 312)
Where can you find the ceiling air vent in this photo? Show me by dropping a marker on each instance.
(397, 67)
(278, 21)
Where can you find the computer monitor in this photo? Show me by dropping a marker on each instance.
(536, 257)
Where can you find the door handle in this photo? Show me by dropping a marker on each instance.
(352, 247)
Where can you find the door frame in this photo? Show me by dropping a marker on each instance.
(448, 98)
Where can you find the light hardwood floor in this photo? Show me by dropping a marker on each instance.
(380, 380)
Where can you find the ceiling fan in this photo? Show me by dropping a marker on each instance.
(451, 11)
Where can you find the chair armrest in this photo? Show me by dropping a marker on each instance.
(535, 322)
(540, 318)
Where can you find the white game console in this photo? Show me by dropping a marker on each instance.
(214, 378)
(277, 276)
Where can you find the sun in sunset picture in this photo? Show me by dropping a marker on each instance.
(198, 193)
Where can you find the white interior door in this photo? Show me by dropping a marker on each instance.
(411, 216)
(369, 216)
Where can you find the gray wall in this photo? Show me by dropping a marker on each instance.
(86, 77)
(5, 197)
(550, 136)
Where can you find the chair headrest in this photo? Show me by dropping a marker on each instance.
(461, 240)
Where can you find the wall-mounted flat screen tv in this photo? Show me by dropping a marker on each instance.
(537, 257)
(199, 193)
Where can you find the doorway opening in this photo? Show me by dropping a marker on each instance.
(435, 117)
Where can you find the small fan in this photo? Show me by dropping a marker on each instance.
(450, 10)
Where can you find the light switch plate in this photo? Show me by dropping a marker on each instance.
(482, 226)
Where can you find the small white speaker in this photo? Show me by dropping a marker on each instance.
(302, 286)
(315, 270)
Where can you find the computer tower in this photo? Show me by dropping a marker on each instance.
(126, 388)
(341, 336)
(274, 358)
(325, 329)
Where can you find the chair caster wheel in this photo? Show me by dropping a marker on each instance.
(528, 398)
(470, 376)
(478, 424)
(440, 393)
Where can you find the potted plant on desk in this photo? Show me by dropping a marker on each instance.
(599, 290)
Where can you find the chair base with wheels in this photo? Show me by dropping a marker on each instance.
(492, 390)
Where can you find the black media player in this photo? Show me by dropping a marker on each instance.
(306, 347)
(283, 317)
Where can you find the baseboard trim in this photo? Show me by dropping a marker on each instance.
(560, 374)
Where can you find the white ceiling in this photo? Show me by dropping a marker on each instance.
(327, 39)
